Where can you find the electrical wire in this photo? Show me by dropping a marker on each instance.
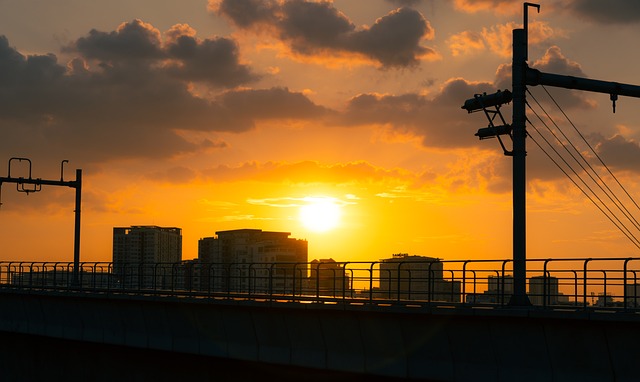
(591, 148)
(609, 214)
(608, 192)
(629, 235)
(628, 214)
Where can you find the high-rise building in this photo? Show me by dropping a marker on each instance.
(413, 277)
(252, 260)
(544, 290)
(145, 256)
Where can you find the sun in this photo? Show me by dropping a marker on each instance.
(320, 214)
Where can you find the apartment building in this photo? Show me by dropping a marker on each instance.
(146, 256)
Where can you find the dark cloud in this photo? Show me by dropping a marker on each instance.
(314, 28)
(214, 60)
(247, 13)
(131, 41)
(104, 106)
(439, 120)
(394, 39)
(607, 12)
(274, 103)
(618, 152)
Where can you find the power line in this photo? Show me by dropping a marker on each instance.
(610, 215)
(608, 192)
(629, 236)
(592, 149)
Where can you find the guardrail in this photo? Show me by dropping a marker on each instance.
(576, 283)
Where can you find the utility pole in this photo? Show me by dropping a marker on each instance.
(519, 134)
(522, 76)
(31, 185)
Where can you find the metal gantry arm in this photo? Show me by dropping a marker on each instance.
(37, 184)
(535, 77)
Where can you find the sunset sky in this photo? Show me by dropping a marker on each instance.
(231, 114)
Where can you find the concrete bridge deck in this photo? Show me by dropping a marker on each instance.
(427, 342)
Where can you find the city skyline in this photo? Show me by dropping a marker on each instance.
(339, 122)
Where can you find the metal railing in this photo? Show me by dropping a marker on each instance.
(568, 283)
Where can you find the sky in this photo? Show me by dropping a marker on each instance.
(337, 121)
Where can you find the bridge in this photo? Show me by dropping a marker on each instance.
(436, 320)
(433, 320)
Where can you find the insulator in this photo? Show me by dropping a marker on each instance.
(490, 132)
(481, 101)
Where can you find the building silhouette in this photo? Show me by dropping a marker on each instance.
(329, 278)
(146, 256)
(632, 295)
(499, 291)
(544, 290)
(253, 261)
(412, 277)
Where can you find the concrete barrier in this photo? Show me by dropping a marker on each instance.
(435, 345)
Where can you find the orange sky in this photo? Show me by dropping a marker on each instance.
(235, 114)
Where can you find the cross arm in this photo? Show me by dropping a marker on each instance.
(535, 77)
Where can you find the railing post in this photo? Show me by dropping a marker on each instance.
(545, 283)
(604, 280)
(464, 281)
(584, 282)
(624, 283)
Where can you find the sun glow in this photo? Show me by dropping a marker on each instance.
(320, 214)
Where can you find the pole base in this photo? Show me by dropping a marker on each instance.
(519, 300)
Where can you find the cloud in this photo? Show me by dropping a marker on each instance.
(607, 12)
(213, 60)
(439, 121)
(177, 174)
(497, 6)
(106, 104)
(307, 172)
(618, 152)
(465, 43)
(553, 61)
(274, 103)
(611, 12)
(247, 13)
(318, 28)
(499, 38)
(130, 41)
(405, 3)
